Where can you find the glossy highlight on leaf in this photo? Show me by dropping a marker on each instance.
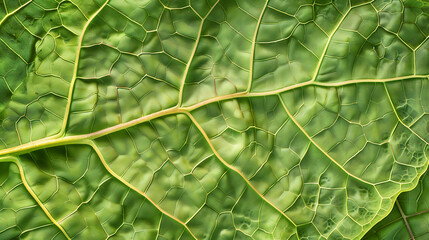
(214, 119)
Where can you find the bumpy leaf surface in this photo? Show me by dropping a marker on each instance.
(213, 119)
(409, 217)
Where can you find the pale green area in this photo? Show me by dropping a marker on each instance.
(205, 119)
(21, 217)
(415, 207)
(88, 202)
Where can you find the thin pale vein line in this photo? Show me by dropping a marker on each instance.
(103, 161)
(234, 168)
(319, 64)
(405, 219)
(399, 119)
(76, 64)
(252, 55)
(27, 186)
(17, 54)
(14, 11)
(185, 74)
(320, 148)
(55, 141)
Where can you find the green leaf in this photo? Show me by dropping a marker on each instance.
(408, 218)
(216, 119)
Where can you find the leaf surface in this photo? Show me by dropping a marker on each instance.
(213, 119)
(408, 218)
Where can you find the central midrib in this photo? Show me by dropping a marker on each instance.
(75, 139)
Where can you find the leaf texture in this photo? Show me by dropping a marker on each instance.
(214, 119)
(409, 216)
